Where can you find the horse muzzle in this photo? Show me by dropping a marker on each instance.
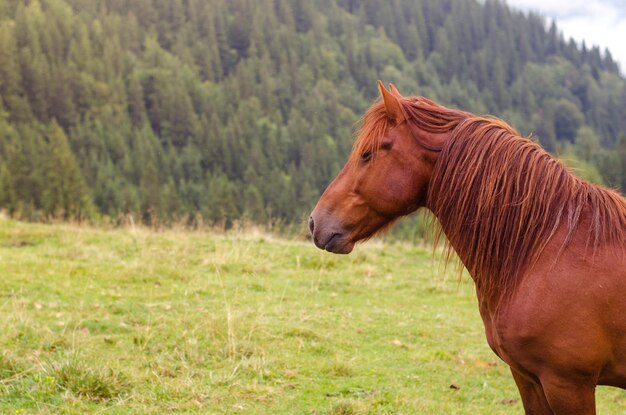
(329, 235)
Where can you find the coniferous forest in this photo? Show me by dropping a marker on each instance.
(218, 110)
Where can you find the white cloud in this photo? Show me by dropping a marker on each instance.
(552, 7)
(597, 22)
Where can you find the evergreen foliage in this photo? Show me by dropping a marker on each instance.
(218, 110)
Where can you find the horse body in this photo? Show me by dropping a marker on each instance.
(547, 251)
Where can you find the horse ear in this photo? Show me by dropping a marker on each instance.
(394, 90)
(392, 104)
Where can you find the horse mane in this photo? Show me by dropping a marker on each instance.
(502, 198)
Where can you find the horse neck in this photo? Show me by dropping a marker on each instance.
(500, 199)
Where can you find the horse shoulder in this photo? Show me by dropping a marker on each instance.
(567, 310)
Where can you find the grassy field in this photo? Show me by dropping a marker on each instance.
(134, 321)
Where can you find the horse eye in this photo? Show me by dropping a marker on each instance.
(367, 156)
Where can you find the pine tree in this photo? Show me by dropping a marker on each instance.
(65, 193)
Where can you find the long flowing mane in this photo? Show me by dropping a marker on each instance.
(502, 198)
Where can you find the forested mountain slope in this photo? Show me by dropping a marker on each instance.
(216, 110)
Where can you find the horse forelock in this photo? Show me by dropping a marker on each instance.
(373, 126)
(501, 198)
(423, 113)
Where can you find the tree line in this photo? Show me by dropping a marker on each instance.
(220, 110)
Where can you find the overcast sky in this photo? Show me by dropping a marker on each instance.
(597, 22)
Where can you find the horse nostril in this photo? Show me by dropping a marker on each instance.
(311, 224)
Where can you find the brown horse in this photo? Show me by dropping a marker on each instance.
(546, 250)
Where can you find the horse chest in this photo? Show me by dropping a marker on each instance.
(491, 331)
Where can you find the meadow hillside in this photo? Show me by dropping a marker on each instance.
(212, 111)
(136, 321)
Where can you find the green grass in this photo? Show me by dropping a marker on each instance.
(134, 321)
